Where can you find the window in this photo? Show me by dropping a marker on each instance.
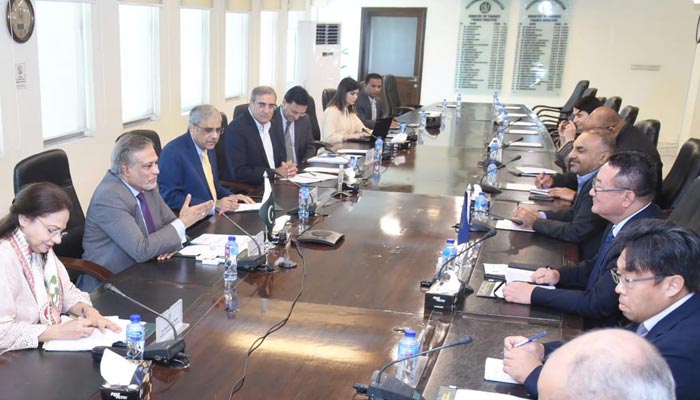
(138, 44)
(292, 42)
(236, 55)
(268, 47)
(194, 58)
(65, 68)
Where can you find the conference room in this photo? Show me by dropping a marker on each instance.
(93, 70)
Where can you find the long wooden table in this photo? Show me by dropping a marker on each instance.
(341, 329)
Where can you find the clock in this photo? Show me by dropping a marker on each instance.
(20, 19)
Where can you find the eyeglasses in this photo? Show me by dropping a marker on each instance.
(54, 232)
(597, 189)
(209, 131)
(617, 278)
(263, 106)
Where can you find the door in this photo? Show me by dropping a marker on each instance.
(391, 42)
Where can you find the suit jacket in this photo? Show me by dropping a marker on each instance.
(303, 138)
(247, 161)
(115, 233)
(675, 336)
(596, 303)
(577, 224)
(364, 109)
(181, 173)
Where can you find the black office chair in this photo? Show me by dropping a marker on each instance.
(311, 111)
(219, 148)
(238, 110)
(687, 212)
(561, 113)
(629, 113)
(153, 135)
(684, 170)
(52, 166)
(393, 99)
(602, 99)
(651, 128)
(614, 102)
(590, 92)
(326, 97)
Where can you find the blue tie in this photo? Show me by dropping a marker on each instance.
(597, 269)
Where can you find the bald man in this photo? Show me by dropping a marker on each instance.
(607, 364)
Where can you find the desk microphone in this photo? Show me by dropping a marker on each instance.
(162, 351)
(490, 189)
(394, 389)
(515, 121)
(248, 263)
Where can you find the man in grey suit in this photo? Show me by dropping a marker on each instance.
(296, 125)
(127, 221)
(369, 104)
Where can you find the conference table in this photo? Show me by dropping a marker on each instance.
(349, 301)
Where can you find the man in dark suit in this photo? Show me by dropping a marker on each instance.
(296, 125)
(369, 104)
(622, 192)
(127, 221)
(657, 280)
(255, 142)
(188, 164)
(577, 224)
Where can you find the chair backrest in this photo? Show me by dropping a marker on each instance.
(52, 166)
(687, 212)
(590, 92)
(219, 148)
(684, 170)
(568, 107)
(602, 99)
(153, 135)
(629, 113)
(238, 110)
(311, 111)
(614, 102)
(326, 97)
(391, 95)
(650, 128)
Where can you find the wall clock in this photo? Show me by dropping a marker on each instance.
(20, 19)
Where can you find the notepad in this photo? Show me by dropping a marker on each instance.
(523, 187)
(97, 338)
(493, 371)
(534, 171)
(308, 177)
(507, 225)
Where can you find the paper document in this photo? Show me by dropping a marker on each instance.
(523, 123)
(96, 339)
(507, 225)
(352, 151)
(329, 159)
(535, 170)
(468, 394)
(309, 177)
(523, 275)
(399, 138)
(243, 207)
(493, 371)
(523, 187)
(211, 244)
(523, 132)
(525, 144)
(542, 192)
(495, 271)
(323, 170)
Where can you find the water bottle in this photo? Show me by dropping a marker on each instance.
(378, 150)
(494, 148)
(135, 338)
(231, 259)
(501, 133)
(443, 109)
(505, 120)
(408, 346)
(481, 207)
(459, 100)
(423, 120)
(304, 203)
(491, 172)
(449, 252)
(496, 106)
(341, 178)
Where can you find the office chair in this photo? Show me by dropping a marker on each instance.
(614, 102)
(221, 156)
(602, 99)
(629, 113)
(326, 97)
(238, 110)
(153, 135)
(52, 166)
(687, 212)
(393, 99)
(557, 114)
(650, 128)
(590, 92)
(219, 148)
(685, 169)
(311, 112)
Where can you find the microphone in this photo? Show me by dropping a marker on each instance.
(394, 389)
(490, 189)
(515, 121)
(163, 351)
(488, 235)
(248, 263)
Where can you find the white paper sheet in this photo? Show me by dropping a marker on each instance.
(523, 187)
(507, 225)
(96, 339)
(323, 170)
(535, 170)
(329, 159)
(493, 371)
(309, 177)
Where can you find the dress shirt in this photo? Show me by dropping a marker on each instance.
(177, 223)
(616, 228)
(264, 131)
(651, 322)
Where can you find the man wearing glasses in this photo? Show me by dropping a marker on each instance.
(657, 279)
(188, 165)
(296, 125)
(254, 142)
(622, 192)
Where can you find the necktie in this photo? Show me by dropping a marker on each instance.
(291, 155)
(150, 226)
(206, 166)
(642, 330)
(607, 243)
(374, 109)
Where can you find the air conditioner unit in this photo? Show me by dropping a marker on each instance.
(318, 58)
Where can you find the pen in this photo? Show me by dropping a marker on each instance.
(528, 340)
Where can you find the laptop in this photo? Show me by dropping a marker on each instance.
(381, 129)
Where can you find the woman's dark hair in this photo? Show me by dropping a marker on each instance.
(34, 200)
(346, 85)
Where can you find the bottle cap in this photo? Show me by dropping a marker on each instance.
(135, 318)
(409, 333)
(231, 238)
(450, 241)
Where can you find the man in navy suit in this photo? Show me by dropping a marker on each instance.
(369, 103)
(254, 142)
(657, 280)
(622, 192)
(188, 164)
(296, 125)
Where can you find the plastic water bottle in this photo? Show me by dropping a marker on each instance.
(443, 109)
(505, 120)
(501, 133)
(481, 207)
(304, 204)
(491, 172)
(341, 178)
(378, 151)
(135, 338)
(408, 346)
(496, 106)
(231, 259)
(459, 100)
(423, 120)
(494, 149)
(449, 252)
